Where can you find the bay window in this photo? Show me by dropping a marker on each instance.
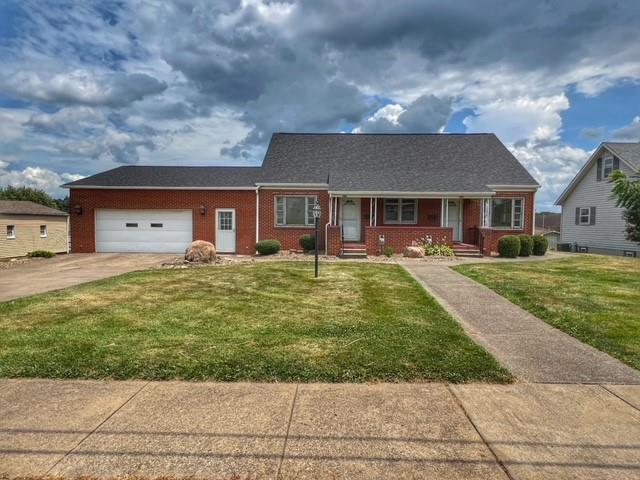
(401, 210)
(506, 213)
(294, 211)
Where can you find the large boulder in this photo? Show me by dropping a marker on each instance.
(414, 252)
(200, 252)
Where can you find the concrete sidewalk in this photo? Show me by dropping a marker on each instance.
(268, 431)
(527, 346)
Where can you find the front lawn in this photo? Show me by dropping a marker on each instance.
(266, 321)
(592, 297)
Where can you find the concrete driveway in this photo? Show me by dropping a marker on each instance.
(43, 275)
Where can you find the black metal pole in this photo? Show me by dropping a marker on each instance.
(316, 246)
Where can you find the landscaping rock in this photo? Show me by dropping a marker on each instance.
(414, 252)
(200, 252)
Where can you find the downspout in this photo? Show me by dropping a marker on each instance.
(68, 237)
(257, 214)
(326, 227)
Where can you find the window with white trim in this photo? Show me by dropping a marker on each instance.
(607, 166)
(11, 231)
(584, 217)
(506, 213)
(400, 210)
(294, 211)
(43, 231)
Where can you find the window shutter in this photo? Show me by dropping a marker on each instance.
(577, 215)
(592, 216)
(616, 163)
(599, 170)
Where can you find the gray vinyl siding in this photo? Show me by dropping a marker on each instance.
(607, 234)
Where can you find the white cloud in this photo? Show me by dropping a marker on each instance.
(629, 132)
(552, 165)
(37, 177)
(522, 118)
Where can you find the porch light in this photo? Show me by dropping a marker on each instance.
(317, 211)
(77, 208)
(203, 209)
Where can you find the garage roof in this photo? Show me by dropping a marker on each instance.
(171, 177)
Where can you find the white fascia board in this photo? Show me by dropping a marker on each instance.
(133, 187)
(297, 186)
(515, 188)
(412, 194)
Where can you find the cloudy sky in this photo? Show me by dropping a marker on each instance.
(84, 87)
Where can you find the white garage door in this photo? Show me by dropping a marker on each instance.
(154, 231)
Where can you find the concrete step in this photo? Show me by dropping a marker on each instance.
(467, 253)
(353, 253)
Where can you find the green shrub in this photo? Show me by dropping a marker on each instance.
(41, 253)
(509, 246)
(540, 244)
(441, 250)
(526, 245)
(307, 242)
(268, 247)
(388, 251)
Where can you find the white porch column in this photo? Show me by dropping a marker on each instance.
(446, 212)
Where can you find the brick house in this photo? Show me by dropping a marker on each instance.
(375, 190)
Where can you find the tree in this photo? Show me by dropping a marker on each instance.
(626, 192)
(33, 195)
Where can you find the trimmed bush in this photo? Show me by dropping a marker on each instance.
(307, 242)
(526, 245)
(388, 251)
(509, 246)
(540, 245)
(268, 247)
(41, 253)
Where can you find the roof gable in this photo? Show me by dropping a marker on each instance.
(627, 152)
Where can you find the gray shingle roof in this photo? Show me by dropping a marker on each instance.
(627, 150)
(23, 207)
(168, 177)
(349, 162)
(393, 162)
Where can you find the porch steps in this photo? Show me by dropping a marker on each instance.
(466, 250)
(353, 250)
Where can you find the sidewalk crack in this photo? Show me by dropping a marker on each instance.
(286, 435)
(96, 428)
(484, 440)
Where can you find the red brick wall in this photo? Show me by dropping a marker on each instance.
(470, 220)
(399, 237)
(244, 201)
(491, 236)
(334, 242)
(289, 236)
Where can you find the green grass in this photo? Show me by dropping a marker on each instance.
(268, 321)
(591, 297)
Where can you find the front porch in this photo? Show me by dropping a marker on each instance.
(366, 225)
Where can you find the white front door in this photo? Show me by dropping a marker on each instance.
(351, 216)
(455, 219)
(226, 230)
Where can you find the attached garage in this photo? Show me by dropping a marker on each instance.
(143, 231)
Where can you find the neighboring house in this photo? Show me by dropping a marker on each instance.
(590, 219)
(548, 220)
(552, 236)
(374, 190)
(27, 226)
